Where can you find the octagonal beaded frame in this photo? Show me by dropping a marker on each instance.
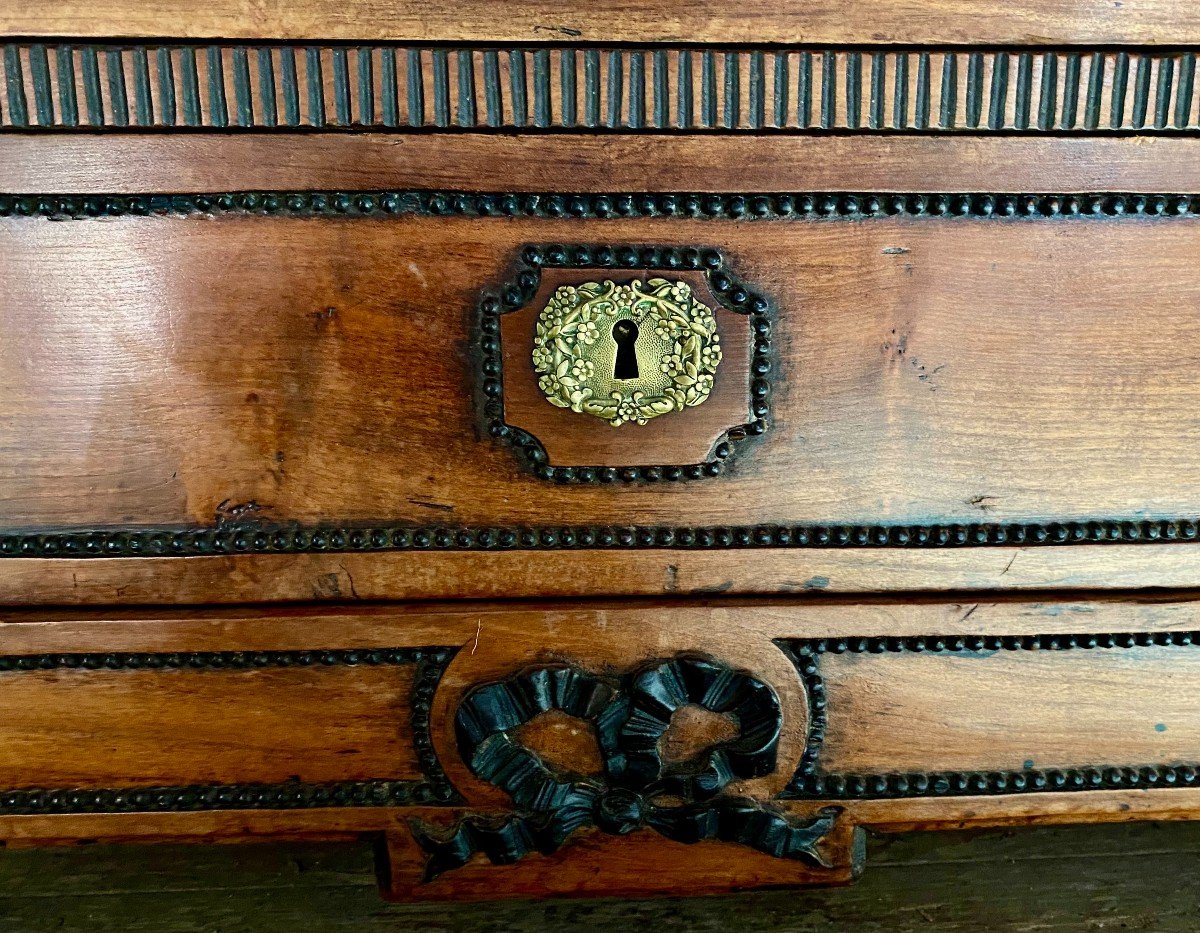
(520, 290)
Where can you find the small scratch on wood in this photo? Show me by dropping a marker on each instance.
(230, 511)
(1010, 563)
(350, 579)
(478, 632)
(968, 614)
(564, 30)
(426, 502)
(723, 587)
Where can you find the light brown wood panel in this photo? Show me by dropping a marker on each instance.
(130, 728)
(892, 711)
(205, 162)
(1008, 710)
(768, 21)
(189, 370)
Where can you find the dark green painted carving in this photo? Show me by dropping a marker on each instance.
(682, 801)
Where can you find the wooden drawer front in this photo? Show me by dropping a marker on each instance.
(543, 750)
(935, 715)
(232, 367)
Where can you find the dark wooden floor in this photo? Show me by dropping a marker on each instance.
(1128, 878)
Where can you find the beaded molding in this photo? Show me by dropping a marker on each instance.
(434, 789)
(810, 783)
(291, 539)
(280, 87)
(520, 290)
(783, 205)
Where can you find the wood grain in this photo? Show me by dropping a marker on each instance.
(341, 823)
(885, 709)
(1009, 710)
(204, 162)
(762, 21)
(907, 710)
(288, 369)
(624, 866)
(71, 728)
(511, 632)
(995, 881)
(231, 367)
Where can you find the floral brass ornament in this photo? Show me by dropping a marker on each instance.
(627, 352)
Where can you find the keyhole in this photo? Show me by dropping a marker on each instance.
(625, 333)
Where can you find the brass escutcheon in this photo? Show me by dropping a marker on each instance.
(626, 352)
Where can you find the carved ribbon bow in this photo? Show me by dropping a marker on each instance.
(682, 801)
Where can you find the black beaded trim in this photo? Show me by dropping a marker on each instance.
(292, 539)
(550, 205)
(520, 290)
(435, 788)
(804, 655)
(810, 783)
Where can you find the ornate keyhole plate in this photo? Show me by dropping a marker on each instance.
(626, 352)
(586, 347)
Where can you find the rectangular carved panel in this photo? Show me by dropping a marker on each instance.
(283, 87)
(104, 728)
(1010, 710)
(118, 731)
(931, 716)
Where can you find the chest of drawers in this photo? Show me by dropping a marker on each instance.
(597, 450)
